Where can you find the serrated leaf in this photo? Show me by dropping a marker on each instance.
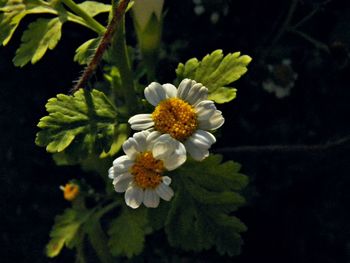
(84, 52)
(157, 216)
(199, 217)
(64, 231)
(127, 232)
(41, 35)
(13, 11)
(184, 226)
(216, 71)
(120, 136)
(212, 174)
(223, 95)
(94, 8)
(82, 124)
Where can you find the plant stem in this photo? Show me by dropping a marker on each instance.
(118, 15)
(313, 41)
(100, 29)
(121, 60)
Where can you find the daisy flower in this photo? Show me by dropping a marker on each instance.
(184, 113)
(139, 173)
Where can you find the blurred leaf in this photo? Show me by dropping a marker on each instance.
(199, 217)
(86, 51)
(215, 72)
(12, 12)
(41, 35)
(157, 216)
(64, 231)
(82, 124)
(127, 232)
(94, 8)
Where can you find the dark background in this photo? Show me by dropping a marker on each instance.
(298, 197)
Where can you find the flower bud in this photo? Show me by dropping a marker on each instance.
(70, 191)
(147, 16)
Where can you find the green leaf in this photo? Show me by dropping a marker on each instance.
(13, 11)
(223, 95)
(216, 72)
(205, 195)
(84, 52)
(157, 216)
(127, 232)
(80, 124)
(120, 136)
(65, 230)
(215, 175)
(94, 8)
(41, 35)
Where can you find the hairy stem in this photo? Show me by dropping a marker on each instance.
(118, 14)
(95, 25)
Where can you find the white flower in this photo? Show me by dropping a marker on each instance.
(139, 173)
(184, 113)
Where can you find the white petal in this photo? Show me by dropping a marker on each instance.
(202, 138)
(209, 118)
(199, 143)
(166, 180)
(197, 153)
(122, 164)
(131, 148)
(197, 93)
(155, 93)
(122, 182)
(141, 122)
(133, 196)
(111, 173)
(170, 90)
(122, 177)
(151, 199)
(212, 123)
(184, 88)
(141, 137)
(163, 146)
(205, 109)
(192, 92)
(176, 159)
(152, 138)
(165, 192)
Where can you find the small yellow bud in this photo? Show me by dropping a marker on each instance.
(70, 191)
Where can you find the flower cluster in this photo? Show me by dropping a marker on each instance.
(181, 122)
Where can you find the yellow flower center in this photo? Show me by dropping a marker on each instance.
(147, 171)
(175, 117)
(70, 191)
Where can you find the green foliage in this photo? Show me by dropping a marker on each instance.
(86, 51)
(41, 35)
(82, 124)
(65, 231)
(127, 232)
(94, 8)
(13, 11)
(199, 217)
(45, 33)
(216, 72)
